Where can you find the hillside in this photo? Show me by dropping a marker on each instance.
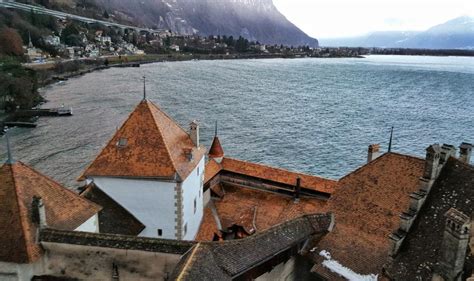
(256, 20)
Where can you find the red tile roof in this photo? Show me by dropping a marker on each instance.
(64, 210)
(240, 205)
(367, 205)
(269, 173)
(216, 150)
(150, 144)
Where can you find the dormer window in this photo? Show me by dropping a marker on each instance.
(122, 142)
(189, 154)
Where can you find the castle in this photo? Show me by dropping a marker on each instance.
(157, 205)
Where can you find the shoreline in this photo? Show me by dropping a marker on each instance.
(53, 72)
(149, 59)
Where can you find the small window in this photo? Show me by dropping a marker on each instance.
(185, 228)
(160, 232)
(198, 171)
(122, 142)
(195, 205)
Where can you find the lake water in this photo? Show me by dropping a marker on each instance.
(313, 115)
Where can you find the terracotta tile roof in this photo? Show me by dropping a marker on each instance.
(240, 205)
(421, 249)
(269, 173)
(64, 210)
(212, 169)
(227, 259)
(150, 144)
(367, 205)
(216, 150)
(113, 218)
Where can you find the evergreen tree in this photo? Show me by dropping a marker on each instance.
(105, 15)
(70, 29)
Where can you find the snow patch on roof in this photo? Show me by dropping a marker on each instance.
(345, 272)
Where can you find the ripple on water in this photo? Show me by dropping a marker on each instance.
(312, 115)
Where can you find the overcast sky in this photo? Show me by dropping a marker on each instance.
(343, 18)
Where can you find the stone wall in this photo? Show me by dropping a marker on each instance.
(97, 263)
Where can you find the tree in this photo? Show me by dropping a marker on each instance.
(18, 86)
(105, 15)
(73, 40)
(70, 29)
(10, 42)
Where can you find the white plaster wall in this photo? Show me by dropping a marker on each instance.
(151, 202)
(91, 225)
(192, 189)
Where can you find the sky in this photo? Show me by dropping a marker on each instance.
(346, 18)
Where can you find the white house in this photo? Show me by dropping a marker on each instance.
(154, 169)
(174, 48)
(52, 40)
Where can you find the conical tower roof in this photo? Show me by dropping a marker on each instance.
(64, 210)
(150, 144)
(216, 150)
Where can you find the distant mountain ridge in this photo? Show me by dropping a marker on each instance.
(257, 20)
(457, 33)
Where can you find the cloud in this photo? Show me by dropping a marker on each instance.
(339, 18)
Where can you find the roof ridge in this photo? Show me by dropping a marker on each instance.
(83, 176)
(167, 116)
(365, 165)
(466, 165)
(378, 159)
(277, 168)
(189, 261)
(58, 185)
(20, 211)
(165, 141)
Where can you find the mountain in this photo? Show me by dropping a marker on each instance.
(374, 39)
(256, 20)
(454, 34)
(457, 33)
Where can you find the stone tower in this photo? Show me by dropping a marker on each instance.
(465, 150)
(433, 153)
(455, 243)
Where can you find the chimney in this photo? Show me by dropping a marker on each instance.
(373, 152)
(297, 190)
(465, 150)
(454, 245)
(194, 132)
(433, 154)
(447, 151)
(38, 212)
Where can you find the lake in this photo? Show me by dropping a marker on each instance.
(312, 115)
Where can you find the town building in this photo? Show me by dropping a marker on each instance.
(30, 202)
(367, 205)
(52, 40)
(153, 166)
(435, 238)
